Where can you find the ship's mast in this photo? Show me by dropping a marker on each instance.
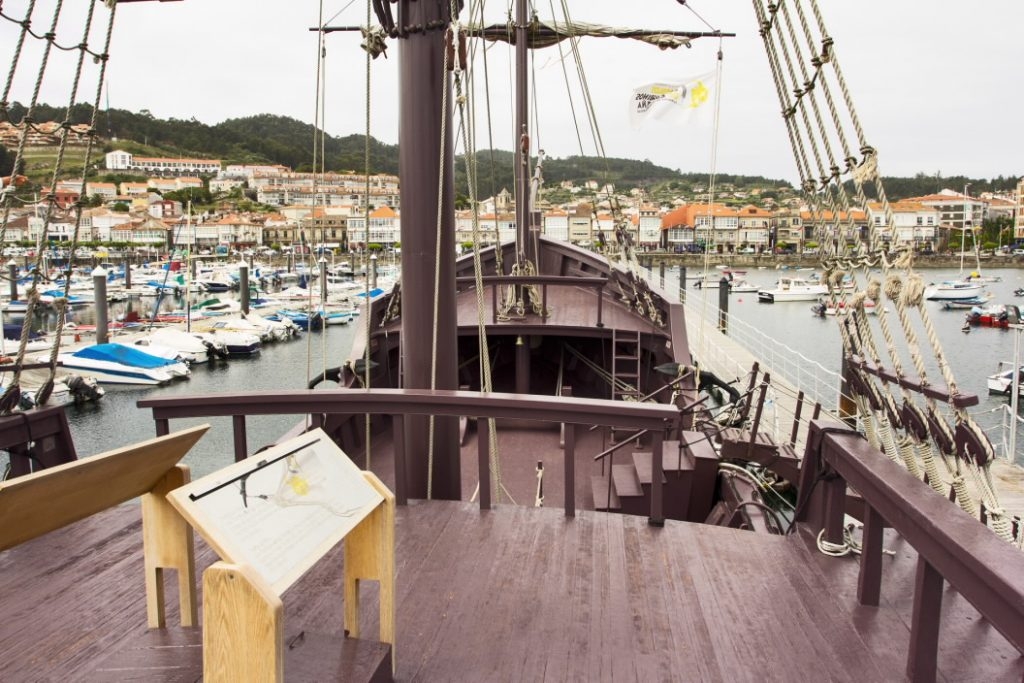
(522, 130)
(428, 240)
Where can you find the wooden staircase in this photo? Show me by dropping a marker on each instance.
(690, 467)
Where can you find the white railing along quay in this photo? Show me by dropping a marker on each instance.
(733, 354)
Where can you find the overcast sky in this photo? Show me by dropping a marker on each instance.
(936, 83)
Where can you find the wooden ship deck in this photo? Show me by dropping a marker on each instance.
(515, 594)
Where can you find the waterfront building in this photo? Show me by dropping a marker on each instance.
(703, 225)
(141, 231)
(846, 227)
(385, 229)
(1018, 217)
(326, 225)
(957, 212)
(914, 223)
(100, 221)
(754, 228)
(648, 227)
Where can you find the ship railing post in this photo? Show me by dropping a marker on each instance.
(600, 305)
(922, 660)
(657, 517)
(483, 442)
(570, 469)
(398, 432)
(241, 447)
(869, 582)
(682, 284)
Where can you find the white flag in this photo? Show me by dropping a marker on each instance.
(671, 101)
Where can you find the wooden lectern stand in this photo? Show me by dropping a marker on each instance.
(43, 501)
(270, 518)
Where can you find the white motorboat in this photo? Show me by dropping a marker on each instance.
(953, 290)
(237, 343)
(189, 347)
(741, 286)
(122, 364)
(792, 289)
(1002, 381)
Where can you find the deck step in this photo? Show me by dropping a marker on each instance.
(698, 445)
(736, 444)
(705, 472)
(626, 481)
(643, 461)
(599, 489)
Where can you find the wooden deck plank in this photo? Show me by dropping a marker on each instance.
(527, 594)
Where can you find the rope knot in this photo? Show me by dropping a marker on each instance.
(913, 294)
(893, 285)
(874, 289)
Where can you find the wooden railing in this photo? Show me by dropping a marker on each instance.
(397, 403)
(494, 282)
(951, 545)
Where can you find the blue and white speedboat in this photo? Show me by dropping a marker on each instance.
(121, 364)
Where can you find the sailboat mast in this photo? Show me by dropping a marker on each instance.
(425, 132)
(522, 130)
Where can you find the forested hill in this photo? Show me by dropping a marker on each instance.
(281, 140)
(273, 139)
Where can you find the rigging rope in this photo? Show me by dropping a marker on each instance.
(38, 275)
(804, 66)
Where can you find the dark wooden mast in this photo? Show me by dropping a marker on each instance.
(522, 130)
(424, 114)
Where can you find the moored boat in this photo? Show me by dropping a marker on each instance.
(792, 289)
(1002, 381)
(954, 290)
(114, 363)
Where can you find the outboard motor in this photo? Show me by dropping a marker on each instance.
(84, 389)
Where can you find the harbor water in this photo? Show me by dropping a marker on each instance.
(117, 421)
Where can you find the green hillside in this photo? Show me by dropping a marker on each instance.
(265, 138)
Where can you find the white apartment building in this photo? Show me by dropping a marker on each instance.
(120, 160)
(556, 224)
(915, 223)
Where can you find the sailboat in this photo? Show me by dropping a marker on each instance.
(567, 507)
